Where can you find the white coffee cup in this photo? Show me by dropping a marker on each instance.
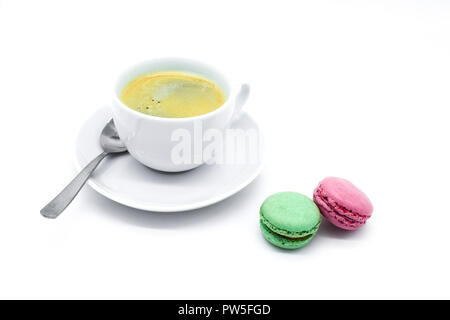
(149, 139)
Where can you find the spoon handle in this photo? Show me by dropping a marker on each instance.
(65, 197)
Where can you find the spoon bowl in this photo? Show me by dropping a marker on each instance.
(109, 139)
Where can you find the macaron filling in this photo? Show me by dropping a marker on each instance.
(330, 208)
(283, 241)
(299, 238)
(289, 234)
(340, 220)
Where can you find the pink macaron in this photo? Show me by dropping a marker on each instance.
(343, 204)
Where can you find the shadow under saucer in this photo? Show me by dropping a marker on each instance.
(166, 220)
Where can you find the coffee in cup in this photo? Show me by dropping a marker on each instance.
(172, 94)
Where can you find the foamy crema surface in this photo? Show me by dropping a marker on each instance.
(172, 94)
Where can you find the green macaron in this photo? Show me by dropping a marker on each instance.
(289, 220)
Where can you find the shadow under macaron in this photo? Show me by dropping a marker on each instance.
(328, 230)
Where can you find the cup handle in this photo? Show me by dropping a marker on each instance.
(240, 100)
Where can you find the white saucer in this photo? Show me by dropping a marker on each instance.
(123, 179)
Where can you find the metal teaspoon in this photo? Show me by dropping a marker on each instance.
(110, 142)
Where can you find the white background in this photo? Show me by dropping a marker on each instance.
(357, 89)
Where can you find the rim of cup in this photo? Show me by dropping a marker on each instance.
(229, 90)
